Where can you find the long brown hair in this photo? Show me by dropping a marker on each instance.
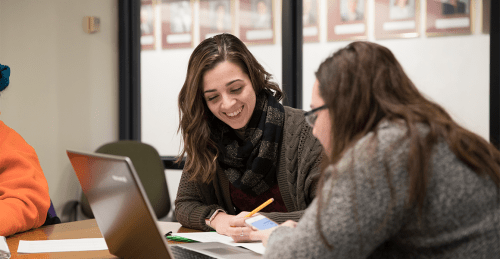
(363, 84)
(194, 115)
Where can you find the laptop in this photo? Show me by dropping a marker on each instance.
(125, 216)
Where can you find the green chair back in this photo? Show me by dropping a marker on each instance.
(149, 168)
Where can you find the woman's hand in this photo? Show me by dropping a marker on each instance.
(233, 226)
(263, 235)
(289, 223)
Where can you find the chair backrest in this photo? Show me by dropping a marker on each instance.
(150, 169)
(52, 210)
(52, 217)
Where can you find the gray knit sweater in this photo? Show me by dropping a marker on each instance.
(297, 175)
(461, 215)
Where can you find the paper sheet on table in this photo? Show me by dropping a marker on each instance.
(203, 237)
(4, 248)
(63, 245)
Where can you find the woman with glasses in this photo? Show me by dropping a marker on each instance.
(404, 179)
(243, 147)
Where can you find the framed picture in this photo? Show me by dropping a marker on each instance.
(216, 16)
(147, 25)
(486, 16)
(176, 24)
(397, 19)
(310, 20)
(347, 20)
(449, 17)
(256, 21)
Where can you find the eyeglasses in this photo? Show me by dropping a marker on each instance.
(311, 115)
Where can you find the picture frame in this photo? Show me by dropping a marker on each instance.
(397, 19)
(216, 16)
(486, 16)
(449, 17)
(148, 22)
(310, 20)
(256, 21)
(347, 20)
(177, 23)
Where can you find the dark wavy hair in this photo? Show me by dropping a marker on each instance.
(363, 84)
(194, 115)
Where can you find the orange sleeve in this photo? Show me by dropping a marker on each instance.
(24, 192)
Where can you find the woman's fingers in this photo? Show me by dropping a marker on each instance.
(239, 231)
(240, 234)
(261, 235)
(239, 220)
(242, 214)
(289, 223)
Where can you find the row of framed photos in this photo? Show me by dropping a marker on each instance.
(255, 18)
(346, 19)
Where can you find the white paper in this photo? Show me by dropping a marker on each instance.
(4, 248)
(204, 237)
(349, 28)
(310, 31)
(402, 25)
(259, 34)
(451, 23)
(64, 245)
(179, 38)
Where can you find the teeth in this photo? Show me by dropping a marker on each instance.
(235, 113)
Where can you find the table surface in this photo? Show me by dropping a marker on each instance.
(78, 229)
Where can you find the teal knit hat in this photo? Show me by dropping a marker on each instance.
(4, 77)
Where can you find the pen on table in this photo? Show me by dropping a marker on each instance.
(179, 239)
(259, 208)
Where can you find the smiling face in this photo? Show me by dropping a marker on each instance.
(229, 94)
(322, 126)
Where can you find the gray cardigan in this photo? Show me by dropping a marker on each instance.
(297, 175)
(460, 219)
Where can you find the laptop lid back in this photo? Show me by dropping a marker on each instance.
(120, 205)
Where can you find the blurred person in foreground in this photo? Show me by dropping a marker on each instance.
(404, 180)
(24, 192)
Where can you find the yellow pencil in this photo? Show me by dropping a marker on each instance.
(259, 208)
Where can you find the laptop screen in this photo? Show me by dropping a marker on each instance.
(120, 205)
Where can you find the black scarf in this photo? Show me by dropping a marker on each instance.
(250, 164)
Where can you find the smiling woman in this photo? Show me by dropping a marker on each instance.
(229, 94)
(243, 147)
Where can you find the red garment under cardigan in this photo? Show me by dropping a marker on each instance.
(244, 202)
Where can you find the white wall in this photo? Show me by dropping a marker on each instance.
(451, 70)
(1, 30)
(63, 91)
